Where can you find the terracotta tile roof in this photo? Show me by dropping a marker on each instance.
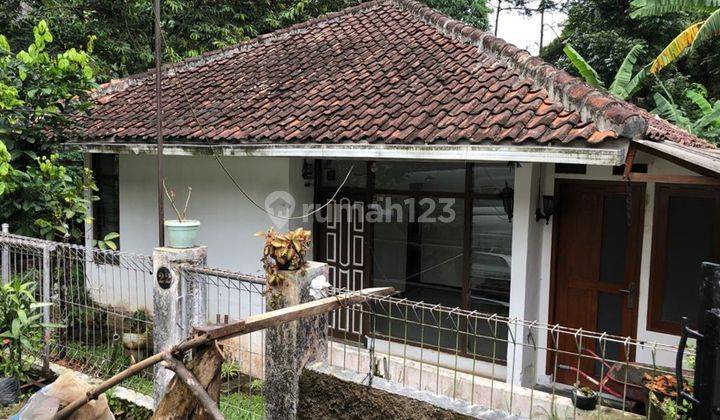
(389, 71)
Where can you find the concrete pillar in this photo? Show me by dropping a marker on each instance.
(291, 346)
(524, 275)
(175, 305)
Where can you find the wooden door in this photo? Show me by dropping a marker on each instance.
(342, 238)
(596, 266)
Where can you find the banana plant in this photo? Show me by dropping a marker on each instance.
(706, 126)
(624, 85)
(689, 38)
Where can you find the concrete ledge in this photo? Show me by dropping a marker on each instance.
(331, 392)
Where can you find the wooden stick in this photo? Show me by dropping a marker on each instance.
(244, 326)
(194, 385)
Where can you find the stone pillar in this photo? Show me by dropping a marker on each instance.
(175, 305)
(291, 346)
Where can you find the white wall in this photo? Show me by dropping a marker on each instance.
(229, 220)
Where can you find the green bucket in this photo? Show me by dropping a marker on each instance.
(181, 234)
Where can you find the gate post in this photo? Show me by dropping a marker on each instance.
(175, 306)
(5, 256)
(290, 347)
(707, 362)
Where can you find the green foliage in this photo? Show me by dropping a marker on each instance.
(120, 34)
(705, 125)
(38, 90)
(604, 33)
(21, 326)
(107, 242)
(229, 370)
(624, 85)
(42, 196)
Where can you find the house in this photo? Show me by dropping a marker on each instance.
(472, 174)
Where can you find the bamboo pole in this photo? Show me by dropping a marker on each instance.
(244, 326)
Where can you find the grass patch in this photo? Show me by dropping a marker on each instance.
(242, 406)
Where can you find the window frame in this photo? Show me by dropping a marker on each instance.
(663, 192)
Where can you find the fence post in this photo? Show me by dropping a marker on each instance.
(170, 305)
(5, 256)
(290, 347)
(46, 285)
(707, 363)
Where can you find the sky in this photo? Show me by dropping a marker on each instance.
(524, 31)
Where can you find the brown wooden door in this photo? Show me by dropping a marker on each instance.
(596, 267)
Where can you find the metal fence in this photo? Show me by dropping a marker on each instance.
(473, 357)
(525, 368)
(102, 299)
(230, 296)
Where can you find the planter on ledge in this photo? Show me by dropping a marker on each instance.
(585, 399)
(181, 234)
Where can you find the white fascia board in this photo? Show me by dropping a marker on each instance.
(606, 156)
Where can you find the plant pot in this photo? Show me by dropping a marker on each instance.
(181, 234)
(585, 402)
(9, 390)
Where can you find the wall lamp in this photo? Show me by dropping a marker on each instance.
(549, 206)
(507, 195)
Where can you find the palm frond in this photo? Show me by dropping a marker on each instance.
(645, 8)
(668, 110)
(709, 29)
(699, 100)
(625, 74)
(586, 71)
(709, 119)
(676, 48)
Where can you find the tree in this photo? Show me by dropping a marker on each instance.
(603, 32)
(624, 84)
(38, 92)
(705, 125)
(121, 32)
(690, 37)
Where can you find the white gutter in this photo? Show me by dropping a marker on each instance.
(608, 155)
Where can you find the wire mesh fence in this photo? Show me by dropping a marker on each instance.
(231, 296)
(519, 367)
(102, 301)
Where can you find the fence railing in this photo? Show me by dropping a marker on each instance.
(103, 299)
(230, 296)
(473, 357)
(526, 368)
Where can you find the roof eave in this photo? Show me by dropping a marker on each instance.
(610, 154)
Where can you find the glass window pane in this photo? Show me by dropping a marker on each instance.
(690, 220)
(490, 178)
(419, 252)
(106, 210)
(614, 240)
(420, 176)
(490, 275)
(333, 172)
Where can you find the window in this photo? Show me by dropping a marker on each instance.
(106, 210)
(686, 232)
(440, 235)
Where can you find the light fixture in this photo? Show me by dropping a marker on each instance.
(507, 195)
(549, 206)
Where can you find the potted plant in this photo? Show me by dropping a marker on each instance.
(283, 252)
(21, 330)
(584, 398)
(663, 392)
(181, 232)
